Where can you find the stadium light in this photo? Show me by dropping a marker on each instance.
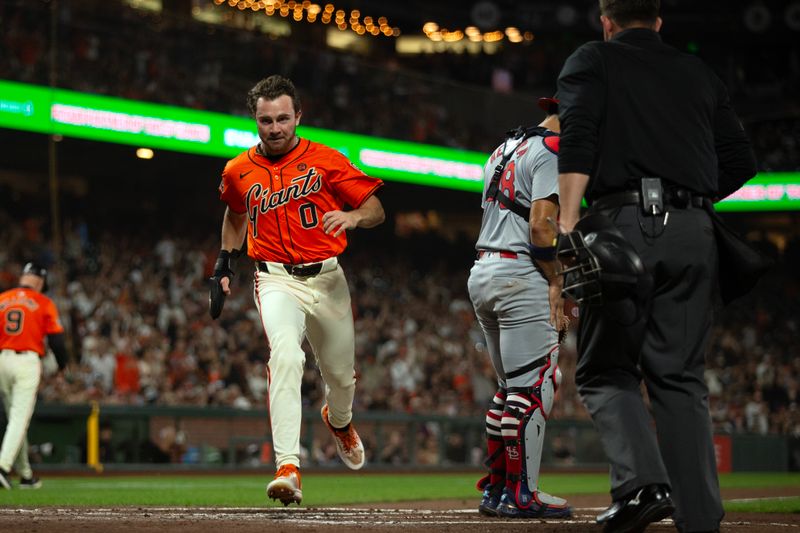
(144, 153)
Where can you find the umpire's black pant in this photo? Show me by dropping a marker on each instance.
(664, 344)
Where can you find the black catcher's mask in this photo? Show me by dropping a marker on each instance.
(599, 265)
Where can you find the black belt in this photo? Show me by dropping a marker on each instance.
(23, 352)
(678, 199)
(299, 271)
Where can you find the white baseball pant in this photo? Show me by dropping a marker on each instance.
(20, 373)
(318, 308)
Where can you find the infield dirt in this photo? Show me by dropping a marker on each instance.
(430, 516)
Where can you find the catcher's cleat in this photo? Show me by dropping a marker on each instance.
(286, 485)
(32, 482)
(348, 443)
(538, 505)
(490, 499)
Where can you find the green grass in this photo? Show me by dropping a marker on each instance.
(754, 480)
(325, 489)
(777, 505)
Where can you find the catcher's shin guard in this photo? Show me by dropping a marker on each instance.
(523, 426)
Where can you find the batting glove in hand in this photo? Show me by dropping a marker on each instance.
(216, 296)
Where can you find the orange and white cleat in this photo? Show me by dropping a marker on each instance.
(348, 443)
(286, 485)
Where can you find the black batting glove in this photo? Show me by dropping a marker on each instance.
(216, 296)
(222, 268)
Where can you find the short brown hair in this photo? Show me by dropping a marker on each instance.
(271, 88)
(626, 12)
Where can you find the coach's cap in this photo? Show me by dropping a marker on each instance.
(549, 105)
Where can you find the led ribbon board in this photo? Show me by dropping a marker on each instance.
(770, 191)
(107, 119)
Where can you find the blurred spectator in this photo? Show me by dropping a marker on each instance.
(757, 414)
(135, 302)
(108, 47)
(418, 350)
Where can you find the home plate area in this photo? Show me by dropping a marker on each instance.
(289, 519)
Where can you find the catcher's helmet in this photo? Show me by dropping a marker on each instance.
(549, 105)
(600, 265)
(37, 270)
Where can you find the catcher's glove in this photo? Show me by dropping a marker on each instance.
(216, 296)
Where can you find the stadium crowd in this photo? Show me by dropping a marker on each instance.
(445, 98)
(136, 311)
(135, 303)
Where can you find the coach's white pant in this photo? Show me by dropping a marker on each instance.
(317, 308)
(19, 381)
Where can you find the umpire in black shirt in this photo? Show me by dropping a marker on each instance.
(632, 107)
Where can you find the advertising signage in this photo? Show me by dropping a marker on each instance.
(116, 120)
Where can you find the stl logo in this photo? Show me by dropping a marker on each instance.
(302, 166)
(513, 453)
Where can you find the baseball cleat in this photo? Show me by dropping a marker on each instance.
(348, 443)
(5, 482)
(286, 485)
(490, 499)
(541, 505)
(32, 482)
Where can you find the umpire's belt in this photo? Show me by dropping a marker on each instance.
(674, 198)
(306, 270)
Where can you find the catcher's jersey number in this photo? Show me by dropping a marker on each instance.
(506, 185)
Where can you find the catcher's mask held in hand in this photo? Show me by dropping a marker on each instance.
(599, 265)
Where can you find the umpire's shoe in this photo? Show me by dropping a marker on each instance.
(5, 481)
(348, 443)
(286, 485)
(644, 506)
(532, 505)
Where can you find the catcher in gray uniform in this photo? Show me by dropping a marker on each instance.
(516, 294)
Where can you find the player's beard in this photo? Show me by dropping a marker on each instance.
(278, 146)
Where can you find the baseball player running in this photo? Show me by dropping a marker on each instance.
(288, 195)
(26, 317)
(517, 298)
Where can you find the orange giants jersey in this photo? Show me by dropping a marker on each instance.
(285, 200)
(26, 316)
